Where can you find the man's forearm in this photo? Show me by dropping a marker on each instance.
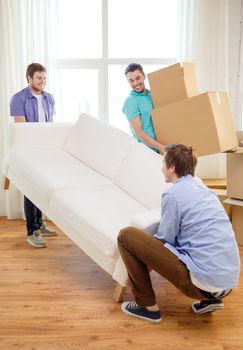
(149, 141)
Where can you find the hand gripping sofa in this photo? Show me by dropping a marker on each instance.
(90, 179)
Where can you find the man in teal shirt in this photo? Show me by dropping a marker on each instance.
(138, 106)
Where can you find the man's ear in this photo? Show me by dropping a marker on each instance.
(172, 169)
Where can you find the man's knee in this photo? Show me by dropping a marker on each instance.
(123, 234)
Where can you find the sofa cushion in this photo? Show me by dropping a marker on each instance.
(141, 176)
(98, 144)
(50, 170)
(97, 213)
(146, 220)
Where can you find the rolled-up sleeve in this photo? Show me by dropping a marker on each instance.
(16, 106)
(130, 108)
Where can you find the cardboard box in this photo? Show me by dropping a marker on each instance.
(215, 183)
(234, 165)
(203, 121)
(173, 83)
(237, 222)
(237, 218)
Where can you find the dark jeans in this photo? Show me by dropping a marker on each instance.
(33, 216)
(140, 251)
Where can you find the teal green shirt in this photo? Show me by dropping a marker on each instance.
(140, 104)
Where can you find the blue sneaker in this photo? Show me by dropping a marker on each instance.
(204, 306)
(134, 310)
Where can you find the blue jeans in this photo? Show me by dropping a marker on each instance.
(33, 216)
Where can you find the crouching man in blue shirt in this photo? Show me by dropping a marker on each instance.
(193, 246)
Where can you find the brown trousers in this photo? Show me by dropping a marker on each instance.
(140, 250)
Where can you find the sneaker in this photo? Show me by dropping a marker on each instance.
(220, 295)
(45, 231)
(134, 310)
(204, 306)
(36, 240)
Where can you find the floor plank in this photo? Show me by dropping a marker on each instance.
(58, 298)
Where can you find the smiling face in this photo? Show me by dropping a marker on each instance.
(38, 82)
(136, 80)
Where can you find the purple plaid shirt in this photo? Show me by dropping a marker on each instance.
(24, 103)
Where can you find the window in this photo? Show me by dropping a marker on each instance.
(98, 39)
(141, 28)
(80, 29)
(78, 97)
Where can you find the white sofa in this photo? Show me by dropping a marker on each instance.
(90, 179)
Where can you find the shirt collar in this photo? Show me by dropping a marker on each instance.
(30, 95)
(183, 178)
(134, 93)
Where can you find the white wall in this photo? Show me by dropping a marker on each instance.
(213, 166)
(235, 60)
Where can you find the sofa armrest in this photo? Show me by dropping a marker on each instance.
(38, 135)
(147, 220)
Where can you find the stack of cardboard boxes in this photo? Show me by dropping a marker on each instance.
(204, 121)
(182, 115)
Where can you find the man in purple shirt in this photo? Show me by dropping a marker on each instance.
(33, 104)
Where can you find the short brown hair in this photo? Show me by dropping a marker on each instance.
(134, 66)
(182, 158)
(32, 68)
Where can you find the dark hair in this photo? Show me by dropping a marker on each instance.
(32, 68)
(182, 158)
(134, 66)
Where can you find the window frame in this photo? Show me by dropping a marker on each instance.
(102, 65)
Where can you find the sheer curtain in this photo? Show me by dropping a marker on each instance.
(210, 37)
(204, 40)
(28, 31)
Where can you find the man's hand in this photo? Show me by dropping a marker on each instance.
(19, 119)
(162, 149)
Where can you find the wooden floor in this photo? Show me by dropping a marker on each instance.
(57, 298)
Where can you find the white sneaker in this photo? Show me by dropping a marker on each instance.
(36, 240)
(204, 306)
(46, 231)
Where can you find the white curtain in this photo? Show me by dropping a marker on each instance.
(210, 36)
(236, 60)
(28, 33)
(204, 40)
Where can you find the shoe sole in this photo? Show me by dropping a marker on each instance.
(207, 309)
(49, 234)
(128, 313)
(35, 245)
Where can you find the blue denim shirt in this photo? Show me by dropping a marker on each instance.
(24, 103)
(196, 228)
